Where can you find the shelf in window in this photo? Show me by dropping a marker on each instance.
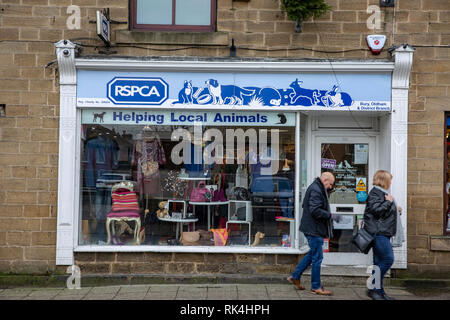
(194, 178)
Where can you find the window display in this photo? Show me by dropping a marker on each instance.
(226, 181)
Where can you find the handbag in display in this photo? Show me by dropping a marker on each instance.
(189, 238)
(239, 193)
(149, 168)
(363, 240)
(198, 193)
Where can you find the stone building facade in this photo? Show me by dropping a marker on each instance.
(29, 135)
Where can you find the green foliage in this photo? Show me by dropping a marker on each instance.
(301, 10)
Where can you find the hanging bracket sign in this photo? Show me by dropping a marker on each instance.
(103, 26)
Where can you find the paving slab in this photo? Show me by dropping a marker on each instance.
(222, 293)
(282, 292)
(105, 290)
(191, 293)
(134, 288)
(81, 291)
(162, 292)
(16, 291)
(68, 297)
(104, 296)
(130, 296)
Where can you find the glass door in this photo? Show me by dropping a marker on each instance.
(351, 160)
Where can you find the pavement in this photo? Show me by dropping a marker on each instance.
(212, 292)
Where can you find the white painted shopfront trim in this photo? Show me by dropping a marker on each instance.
(69, 145)
(237, 65)
(195, 249)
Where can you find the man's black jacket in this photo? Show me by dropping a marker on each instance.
(316, 219)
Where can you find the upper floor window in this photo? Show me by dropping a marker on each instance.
(173, 15)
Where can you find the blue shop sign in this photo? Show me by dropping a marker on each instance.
(244, 91)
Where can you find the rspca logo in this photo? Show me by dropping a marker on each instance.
(146, 91)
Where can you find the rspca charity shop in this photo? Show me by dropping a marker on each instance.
(245, 91)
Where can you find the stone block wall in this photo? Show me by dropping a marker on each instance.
(29, 91)
(185, 263)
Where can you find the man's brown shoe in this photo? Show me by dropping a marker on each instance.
(296, 283)
(322, 292)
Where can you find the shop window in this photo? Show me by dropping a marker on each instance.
(173, 15)
(447, 175)
(230, 184)
(349, 163)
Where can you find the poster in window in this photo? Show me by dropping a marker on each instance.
(343, 222)
(361, 153)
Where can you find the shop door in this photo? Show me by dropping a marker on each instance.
(352, 161)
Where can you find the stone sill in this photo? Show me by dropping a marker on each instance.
(173, 38)
(440, 243)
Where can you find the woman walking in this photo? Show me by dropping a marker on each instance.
(380, 219)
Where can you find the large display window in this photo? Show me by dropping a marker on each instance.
(187, 178)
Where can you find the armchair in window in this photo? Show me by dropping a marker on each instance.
(125, 207)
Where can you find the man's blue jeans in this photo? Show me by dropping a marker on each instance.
(313, 258)
(383, 257)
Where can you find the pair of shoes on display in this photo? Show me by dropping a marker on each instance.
(322, 292)
(296, 283)
(173, 242)
(374, 295)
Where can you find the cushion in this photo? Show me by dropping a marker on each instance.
(123, 214)
(124, 201)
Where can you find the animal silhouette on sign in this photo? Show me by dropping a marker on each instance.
(185, 94)
(98, 116)
(227, 94)
(252, 96)
(282, 117)
(310, 97)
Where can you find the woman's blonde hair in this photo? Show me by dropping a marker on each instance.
(382, 178)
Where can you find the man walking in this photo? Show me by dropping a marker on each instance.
(316, 225)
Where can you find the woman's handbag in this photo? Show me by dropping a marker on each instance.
(198, 193)
(363, 240)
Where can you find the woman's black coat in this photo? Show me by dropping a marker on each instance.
(316, 218)
(380, 215)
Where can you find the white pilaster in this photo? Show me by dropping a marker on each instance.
(65, 52)
(399, 139)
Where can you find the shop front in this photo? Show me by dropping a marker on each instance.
(214, 156)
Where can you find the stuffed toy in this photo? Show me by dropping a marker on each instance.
(122, 227)
(163, 210)
(258, 237)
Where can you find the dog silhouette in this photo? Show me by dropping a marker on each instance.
(98, 116)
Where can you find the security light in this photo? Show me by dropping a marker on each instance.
(387, 3)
